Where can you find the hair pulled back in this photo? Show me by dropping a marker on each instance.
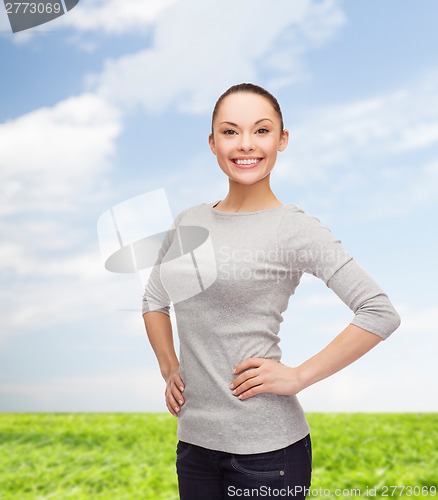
(252, 89)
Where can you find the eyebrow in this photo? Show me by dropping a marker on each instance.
(258, 121)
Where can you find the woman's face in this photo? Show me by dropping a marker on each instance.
(246, 137)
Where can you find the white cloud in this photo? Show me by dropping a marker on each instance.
(199, 49)
(64, 290)
(411, 190)
(111, 17)
(398, 375)
(53, 163)
(338, 140)
(68, 290)
(115, 16)
(50, 156)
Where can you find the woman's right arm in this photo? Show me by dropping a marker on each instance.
(159, 332)
(155, 311)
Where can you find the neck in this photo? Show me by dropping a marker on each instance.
(249, 198)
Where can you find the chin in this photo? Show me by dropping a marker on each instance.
(246, 182)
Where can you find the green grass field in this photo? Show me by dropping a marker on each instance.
(132, 456)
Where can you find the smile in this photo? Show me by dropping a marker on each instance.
(247, 162)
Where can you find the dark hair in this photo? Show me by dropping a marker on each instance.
(252, 89)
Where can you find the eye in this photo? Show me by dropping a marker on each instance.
(262, 131)
(229, 132)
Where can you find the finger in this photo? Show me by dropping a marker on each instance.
(176, 393)
(248, 374)
(171, 410)
(248, 363)
(248, 384)
(258, 389)
(179, 382)
(170, 407)
(170, 400)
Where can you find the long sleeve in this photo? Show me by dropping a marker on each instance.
(373, 310)
(316, 251)
(155, 297)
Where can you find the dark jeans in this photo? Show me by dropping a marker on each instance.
(216, 475)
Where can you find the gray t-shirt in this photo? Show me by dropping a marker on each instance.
(229, 276)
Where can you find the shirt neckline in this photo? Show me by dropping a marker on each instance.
(233, 214)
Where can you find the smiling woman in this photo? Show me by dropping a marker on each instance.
(240, 424)
(247, 133)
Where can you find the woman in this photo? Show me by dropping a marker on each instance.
(241, 429)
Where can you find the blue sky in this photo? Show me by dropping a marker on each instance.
(113, 100)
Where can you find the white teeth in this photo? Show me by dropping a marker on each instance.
(246, 162)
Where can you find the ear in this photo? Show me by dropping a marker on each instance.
(212, 144)
(283, 140)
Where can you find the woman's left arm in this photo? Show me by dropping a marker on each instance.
(266, 375)
(375, 319)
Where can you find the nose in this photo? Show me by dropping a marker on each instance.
(246, 142)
